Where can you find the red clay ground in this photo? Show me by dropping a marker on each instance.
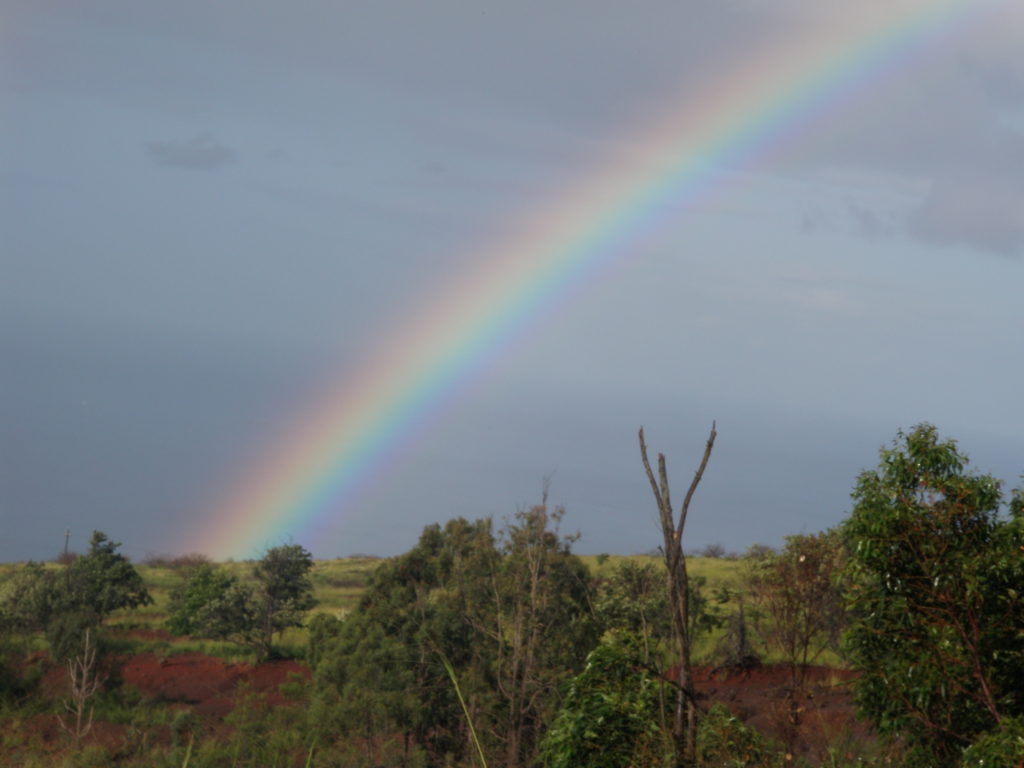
(208, 686)
(808, 722)
(818, 715)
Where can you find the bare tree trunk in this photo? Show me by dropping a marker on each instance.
(684, 726)
(84, 680)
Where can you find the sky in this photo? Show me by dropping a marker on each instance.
(215, 216)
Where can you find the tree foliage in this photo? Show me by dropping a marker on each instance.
(28, 599)
(797, 597)
(611, 712)
(378, 672)
(633, 599)
(200, 606)
(936, 576)
(488, 605)
(283, 593)
(725, 741)
(65, 603)
(103, 580)
(1002, 746)
(214, 603)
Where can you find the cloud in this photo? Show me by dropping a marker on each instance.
(203, 152)
(870, 223)
(814, 221)
(986, 214)
(1000, 78)
(980, 204)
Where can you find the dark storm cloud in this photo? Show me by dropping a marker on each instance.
(203, 152)
(158, 336)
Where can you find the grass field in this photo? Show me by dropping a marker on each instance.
(337, 585)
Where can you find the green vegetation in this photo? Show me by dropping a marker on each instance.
(484, 647)
(936, 598)
(216, 604)
(484, 605)
(612, 711)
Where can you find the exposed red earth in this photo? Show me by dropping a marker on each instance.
(807, 723)
(818, 716)
(208, 686)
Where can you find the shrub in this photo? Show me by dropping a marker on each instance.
(724, 741)
(1002, 746)
(609, 718)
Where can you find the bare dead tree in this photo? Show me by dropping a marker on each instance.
(684, 725)
(84, 681)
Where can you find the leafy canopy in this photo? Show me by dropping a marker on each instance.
(936, 577)
(214, 603)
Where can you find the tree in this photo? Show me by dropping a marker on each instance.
(103, 580)
(633, 599)
(935, 595)
(799, 611)
(64, 603)
(510, 614)
(540, 589)
(684, 727)
(28, 599)
(84, 680)
(379, 672)
(284, 592)
(206, 604)
(214, 603)
(798, 599)
(609, 718)
(1002, 746)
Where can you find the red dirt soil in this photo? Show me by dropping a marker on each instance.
(209, 685)
(808, 722)
(808, 719)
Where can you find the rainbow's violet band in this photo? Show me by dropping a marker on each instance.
(307, 479)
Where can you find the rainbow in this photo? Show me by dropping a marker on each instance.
(309, 477)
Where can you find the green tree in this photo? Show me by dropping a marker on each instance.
(936, 577)
(797, 597)
(725, 741)
(633, 599)
(1002, 746)
(797, 605)
(198, 605)
(611, 711)
(284, 592)
(103, 580)
(379, 672)
(540, 591)
(66, 602)
(214, 603)
(28, 599)
(509, 613)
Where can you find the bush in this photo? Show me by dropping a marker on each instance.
(724, 741)
(610, 715)
(1002, 746)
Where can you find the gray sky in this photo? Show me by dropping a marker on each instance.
(210, 209)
